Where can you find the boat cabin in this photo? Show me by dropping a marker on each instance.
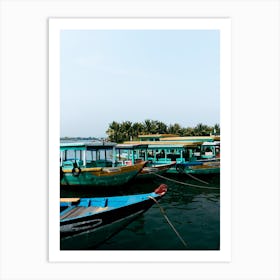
(129, 154)
(91, 154)
(210, 150)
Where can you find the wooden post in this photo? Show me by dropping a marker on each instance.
(61, 158)
(132, 157)
(84, 158)
(114, 157)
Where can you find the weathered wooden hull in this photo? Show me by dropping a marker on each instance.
(89, 230)
(100, 177)
(93, 238)
(205, 168)
(150, 171)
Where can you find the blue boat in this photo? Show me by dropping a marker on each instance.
(88, 222)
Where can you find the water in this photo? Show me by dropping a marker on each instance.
(195, 213)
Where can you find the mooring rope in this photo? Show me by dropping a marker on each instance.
(168, 221)
(197, 179)
(193, 177)
(186, 184)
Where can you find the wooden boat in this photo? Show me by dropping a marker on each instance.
(191, 155)
(151, 169)
(88, 222)
(161, 155)
(81, 170)
(199, 167)
(136, 153)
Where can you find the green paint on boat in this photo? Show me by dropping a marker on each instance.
(79, 171)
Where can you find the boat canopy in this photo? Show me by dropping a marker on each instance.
(131, 146)
(189, 139)
(164, 144)
(101, 146)
(155, 137)
(78, 146)
(161, 146)
(215, 143)
(91, 146)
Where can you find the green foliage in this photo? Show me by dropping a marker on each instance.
(125, 131)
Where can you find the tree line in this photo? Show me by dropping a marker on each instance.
(126, 130)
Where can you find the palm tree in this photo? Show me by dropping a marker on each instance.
(175, 129)
(161, 127)
(147, 126)
(137, 129)
(113, 131)
(202, 130)
(216, 129)
(126, 130)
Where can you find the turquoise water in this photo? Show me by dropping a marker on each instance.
(194, 212)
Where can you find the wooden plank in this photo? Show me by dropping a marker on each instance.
(72, 199)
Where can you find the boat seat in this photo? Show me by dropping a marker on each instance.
(99, 203)
(85, 203)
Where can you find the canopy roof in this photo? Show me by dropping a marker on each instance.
(164, 144)
(189, 139)
(131, 146)
(215, 143)
(87, 146)
(157, 135)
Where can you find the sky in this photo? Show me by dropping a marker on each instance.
(172, 76)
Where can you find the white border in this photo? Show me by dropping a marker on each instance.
(221, 24)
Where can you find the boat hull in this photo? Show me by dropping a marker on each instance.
(93, 238)
(150, 171)
(100, 177)
(93, 221)
(203, 168)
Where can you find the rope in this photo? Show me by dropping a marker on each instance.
(193, 177)
(168, 221)
(186, 184)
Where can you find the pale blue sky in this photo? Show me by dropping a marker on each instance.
(170, 76)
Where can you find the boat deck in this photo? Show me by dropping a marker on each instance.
(80, 211)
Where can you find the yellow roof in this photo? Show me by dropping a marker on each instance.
(158, 143)
(187, 138)
(157, 135)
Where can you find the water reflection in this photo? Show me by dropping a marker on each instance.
(194, 212)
